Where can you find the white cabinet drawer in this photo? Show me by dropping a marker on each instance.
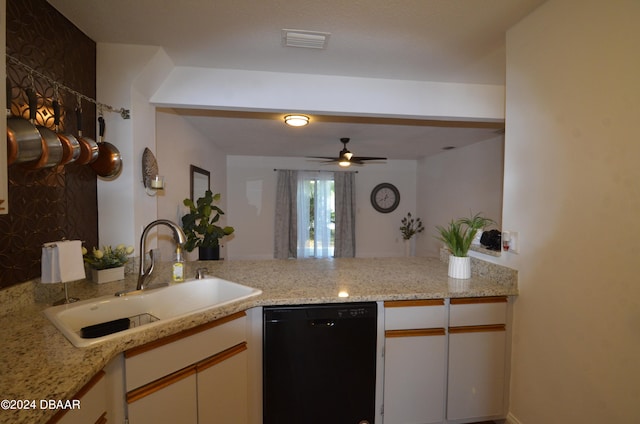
(414, 314)
(478, 311)
(154, 360)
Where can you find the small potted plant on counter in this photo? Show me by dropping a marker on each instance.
(457, 237)
(410, 227)
(200, 227)
(107, 264)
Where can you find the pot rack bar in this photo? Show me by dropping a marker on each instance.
(124, 113)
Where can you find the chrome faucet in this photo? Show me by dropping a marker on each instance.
(178, 236)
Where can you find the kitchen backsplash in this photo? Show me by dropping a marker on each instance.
(59, 202)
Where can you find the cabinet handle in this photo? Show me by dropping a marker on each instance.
(418, 302)
(415, 333)
(477, 328)
(220, 357)
(160, 384)
(473, 300)
(102, 419)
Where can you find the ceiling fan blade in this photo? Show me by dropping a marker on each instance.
(360, 158)
(333, 158)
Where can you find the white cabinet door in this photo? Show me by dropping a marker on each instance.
(414, 362)
(476, 375)
(91, 404)
(172, 400)
(477, 359)
(414, 378)
(222, 388)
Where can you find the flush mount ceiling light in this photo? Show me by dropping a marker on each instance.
(305, 39)
(296, 120)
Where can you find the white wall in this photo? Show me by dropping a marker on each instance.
(572, 190)
(126, 77)
(179, 145)
(330, 94)
(251, 188)
(456, 183)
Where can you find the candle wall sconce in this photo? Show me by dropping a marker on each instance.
(151, 179)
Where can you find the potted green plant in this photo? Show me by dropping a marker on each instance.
(199, 225)
(457, 237)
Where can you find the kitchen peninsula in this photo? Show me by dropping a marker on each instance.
(37, 362)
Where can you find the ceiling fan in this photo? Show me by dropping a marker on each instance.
(346, 158)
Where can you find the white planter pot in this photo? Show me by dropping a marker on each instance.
(459, 267)
(107, 275)
(408, 248)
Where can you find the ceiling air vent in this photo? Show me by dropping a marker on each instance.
(306, 39)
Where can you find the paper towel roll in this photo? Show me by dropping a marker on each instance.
(62, 261)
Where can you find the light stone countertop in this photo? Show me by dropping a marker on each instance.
(37, 362)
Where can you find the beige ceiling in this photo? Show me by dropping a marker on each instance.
(432, 40)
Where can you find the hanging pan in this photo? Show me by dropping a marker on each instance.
(70, 144)
(88, 146)
(51, 146)
(24, 143)
(109, 162)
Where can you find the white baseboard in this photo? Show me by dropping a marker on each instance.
(511, 419)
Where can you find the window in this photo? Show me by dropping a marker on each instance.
(316, 215)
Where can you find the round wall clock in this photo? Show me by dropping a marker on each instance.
(385, 198)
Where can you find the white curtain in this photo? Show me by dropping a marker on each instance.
(316, 185)
(286, 227)
(345, 235)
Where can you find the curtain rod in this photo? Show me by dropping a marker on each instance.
(312, 170)
(125, 113)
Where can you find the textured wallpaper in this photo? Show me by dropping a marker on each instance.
(59, 202)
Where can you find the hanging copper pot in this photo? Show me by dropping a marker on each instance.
(24, 143)
(51, 145)
(88, 146)
(70, 144)
(109, 162)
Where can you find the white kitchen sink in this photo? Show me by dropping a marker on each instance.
(145, 308)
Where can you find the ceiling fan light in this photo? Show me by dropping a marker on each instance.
(296, 120)
(344, 163)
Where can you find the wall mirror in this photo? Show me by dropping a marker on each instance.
(200, 182)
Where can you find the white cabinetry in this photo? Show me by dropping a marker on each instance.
(91, 402)
(222, 387)
(199, 375)
(477, 359)
(414, 361)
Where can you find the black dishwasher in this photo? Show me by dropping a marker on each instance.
(319, 364)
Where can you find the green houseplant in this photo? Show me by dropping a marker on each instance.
(457, 237)
(199, 225)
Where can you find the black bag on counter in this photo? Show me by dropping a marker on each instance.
(491, 240)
